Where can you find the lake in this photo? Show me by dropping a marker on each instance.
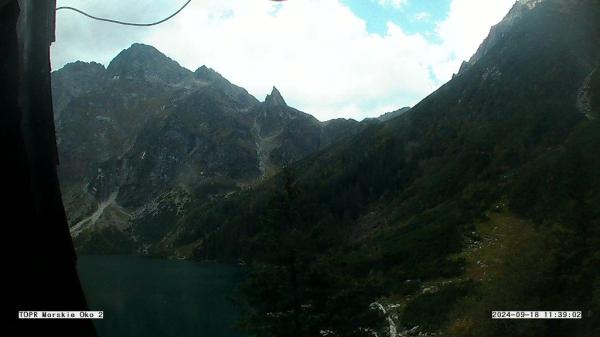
(164, 298)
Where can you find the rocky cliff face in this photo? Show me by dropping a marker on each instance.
(73, 81)
(144, 137)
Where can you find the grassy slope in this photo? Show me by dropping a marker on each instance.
(390, 213)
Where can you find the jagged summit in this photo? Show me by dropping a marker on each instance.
(137, 52)
(144, 48)
(75, 79)
(205, 71)
(208, 74)
(275, 98)
(144, 61)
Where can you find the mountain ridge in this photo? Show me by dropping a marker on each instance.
(137, 133)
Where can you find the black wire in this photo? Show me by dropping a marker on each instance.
(123, 22)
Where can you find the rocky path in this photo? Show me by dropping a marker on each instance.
(90, 220)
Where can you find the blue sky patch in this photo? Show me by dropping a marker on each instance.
(413, 17)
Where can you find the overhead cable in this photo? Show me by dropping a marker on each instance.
(124, 22)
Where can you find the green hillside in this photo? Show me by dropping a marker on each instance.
(484, 196)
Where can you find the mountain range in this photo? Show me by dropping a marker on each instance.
(484, 196)
(143, 137)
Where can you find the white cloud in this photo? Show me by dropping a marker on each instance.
(317, 52)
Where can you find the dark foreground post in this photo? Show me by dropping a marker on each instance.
(39, 262)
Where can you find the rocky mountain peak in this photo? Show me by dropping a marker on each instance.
(138, 50)
(275, 98)
(143, 55)
(145, 62)
(209, 75)
(75, 79)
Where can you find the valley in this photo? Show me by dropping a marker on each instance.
(483, 196)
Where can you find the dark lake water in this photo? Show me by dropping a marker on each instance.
(144, 297)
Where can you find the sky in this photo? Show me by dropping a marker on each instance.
(329, 58)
